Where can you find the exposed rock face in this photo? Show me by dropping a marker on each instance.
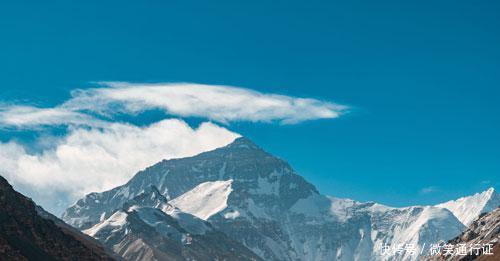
(483, 232)
(149, 228)
(261, 202)
(250, 167)
(25, 234)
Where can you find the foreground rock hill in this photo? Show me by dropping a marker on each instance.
(482, 231)
(259, 201)
(29, 233)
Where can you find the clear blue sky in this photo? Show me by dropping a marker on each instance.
(422, 78)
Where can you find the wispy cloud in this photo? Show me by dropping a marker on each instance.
(98, 153)
(27, 117)
(428, 190)
(217, 103)
(485, 182)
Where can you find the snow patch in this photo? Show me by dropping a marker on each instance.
(188, 221)
(116, 221)
(124, 191)
(264, 187)
(314, 205)
(232, 215)
(103, 215)
(341, 208)
(205, 200)
(256, 210)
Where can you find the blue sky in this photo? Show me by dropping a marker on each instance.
(420, 79)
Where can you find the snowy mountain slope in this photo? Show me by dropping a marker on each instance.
(467, 209)
(484, 231)
(159, 231)
(204, 200)
(416, 226)
(249, 167)
(259, 200)
(375, 225)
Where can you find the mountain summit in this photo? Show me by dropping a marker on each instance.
(253, 170)
(467, 209)
(260, 201)
(242, 143)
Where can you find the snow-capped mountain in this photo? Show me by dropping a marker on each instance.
(412, 226)
(483, 232)
(149, 228)
(261, 202)
(467, 209)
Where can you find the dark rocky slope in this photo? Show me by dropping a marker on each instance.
(484, 230)
(29, 233)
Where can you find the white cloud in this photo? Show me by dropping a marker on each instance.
(97, 159)
(218, 103)
(486, 182)
(99, 154)
(26, 117)
(428, 190)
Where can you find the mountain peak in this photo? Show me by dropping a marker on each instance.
(243, 143)
(467, 209)
(150, 197)
(490, 191)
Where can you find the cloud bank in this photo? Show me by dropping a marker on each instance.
(88, 160)
(98, 153)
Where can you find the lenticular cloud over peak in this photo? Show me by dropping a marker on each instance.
(97, 152)
(214, 102)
